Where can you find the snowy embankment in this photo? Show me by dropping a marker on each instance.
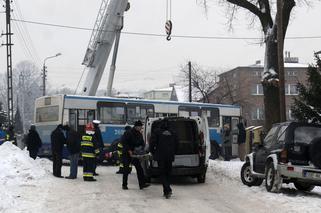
(18, 172)
(228, 172)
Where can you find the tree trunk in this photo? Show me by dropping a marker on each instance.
(271, 88)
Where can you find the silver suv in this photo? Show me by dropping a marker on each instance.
(290, 153)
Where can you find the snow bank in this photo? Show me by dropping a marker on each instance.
(16, 165)
(17, 170)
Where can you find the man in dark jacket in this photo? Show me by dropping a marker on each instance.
(57, 144)
(33, 142)
(133, 139)
(163, 146)
(241, 140)
(73, 145)
(100, 145)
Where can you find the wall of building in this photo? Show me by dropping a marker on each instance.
(242, 86)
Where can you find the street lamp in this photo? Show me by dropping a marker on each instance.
(44, 73)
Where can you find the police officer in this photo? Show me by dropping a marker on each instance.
(163, 146)
(88, 146)
(133, 139)
(100, 145)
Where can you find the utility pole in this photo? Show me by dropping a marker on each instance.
(280, 40)
(44, 76)
(190, 81)
(8, 44)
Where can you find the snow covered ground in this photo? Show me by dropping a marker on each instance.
(27, 186)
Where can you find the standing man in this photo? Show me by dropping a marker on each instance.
(88, 146)
(132, 139)
(120, 153)
(73, 145)
(241, 140)
(33, 142)
(163, 146)
(100, 145)
(57, 144)
(227, 143)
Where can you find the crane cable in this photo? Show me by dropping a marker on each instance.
(168, 24)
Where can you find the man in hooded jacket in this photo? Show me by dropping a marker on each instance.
(58, 140)
(163, 146)
(33, 142)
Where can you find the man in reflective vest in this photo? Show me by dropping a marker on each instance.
(88, 148)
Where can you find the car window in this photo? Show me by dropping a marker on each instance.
(305, 134)
(281, 134)
(268, 140)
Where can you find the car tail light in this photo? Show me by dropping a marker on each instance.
(284, 156)
(201, 135)
(290, 168)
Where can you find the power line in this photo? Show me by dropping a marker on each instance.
(26, 32)
(163, 35)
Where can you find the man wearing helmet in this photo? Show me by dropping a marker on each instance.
(88, 146)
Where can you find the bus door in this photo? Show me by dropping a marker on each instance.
(78, 118)
(232, 122)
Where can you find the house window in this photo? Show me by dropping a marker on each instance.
(291, 89)
(292, 73)
(257, 114)
(257, 89)
(257, 73)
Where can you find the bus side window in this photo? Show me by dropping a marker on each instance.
(139, 112)
(111, 112)
(213, 116)
(186, 111)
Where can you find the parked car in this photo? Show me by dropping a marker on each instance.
(191, 158)
(290, 153)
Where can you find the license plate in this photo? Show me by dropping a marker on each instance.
(314, 175)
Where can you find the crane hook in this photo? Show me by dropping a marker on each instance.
(168, 28)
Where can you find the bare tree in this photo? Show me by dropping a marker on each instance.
(203, 81)
(26, 78)
(265, 12)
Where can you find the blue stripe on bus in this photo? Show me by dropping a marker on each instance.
(121, 100)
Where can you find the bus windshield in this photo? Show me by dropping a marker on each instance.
(47, 114)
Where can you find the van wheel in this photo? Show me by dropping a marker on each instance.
(273, 181)
(201, 178)
(247, 178)
(303, 186)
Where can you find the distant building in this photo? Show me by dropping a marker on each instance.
(242, 86)
(159, 94)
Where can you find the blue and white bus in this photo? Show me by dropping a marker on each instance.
(116, 113)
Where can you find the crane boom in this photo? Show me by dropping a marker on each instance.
(109, 21)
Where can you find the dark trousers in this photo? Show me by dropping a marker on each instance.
(57, 163)
(74, 165)
(33, 153)
(139, 170)
(88, 168)
(165, 167)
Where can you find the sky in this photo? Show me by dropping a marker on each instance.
(145, 62)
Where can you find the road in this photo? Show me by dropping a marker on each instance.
(222, 192)
(106, 195)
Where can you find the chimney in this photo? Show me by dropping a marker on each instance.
(258, 62)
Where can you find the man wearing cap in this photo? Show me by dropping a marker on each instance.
(132, 139)
(100, 144)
